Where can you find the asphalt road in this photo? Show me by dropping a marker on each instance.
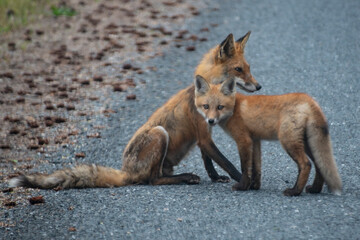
(295, 46)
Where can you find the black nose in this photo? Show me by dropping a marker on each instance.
(211, 121)
(258, 87)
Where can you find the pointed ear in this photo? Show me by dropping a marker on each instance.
(243, 40)
(227, 47)
(201, 85)
(228, 87)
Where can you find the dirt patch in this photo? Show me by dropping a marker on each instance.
(53, 71)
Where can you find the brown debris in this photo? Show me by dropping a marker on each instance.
(49, 106)
(118, 87)
(127, 66)
(70, 107)
(32, 122)
(9, 204)
(190, 48)
(80, 155)
(5, 146)
(7, 190)
(72, 229)
(98, 78)
(85, 82)
(7, 75)
(94, 135)
(36, 200)
(14, 130)
(42, 141)
(20, 100)
(131, 97)
(33, 146)
(8, 89)
(12, 46)
(59, 119)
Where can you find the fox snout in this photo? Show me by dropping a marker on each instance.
(211, 121)
(252, 85)
(249, 86)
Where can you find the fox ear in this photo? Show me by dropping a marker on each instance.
(243, 40)
(201, 85)
(227, 47)
(228, 87)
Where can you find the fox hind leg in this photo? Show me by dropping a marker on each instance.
(161, 142)
(318, 183)
(297, 153)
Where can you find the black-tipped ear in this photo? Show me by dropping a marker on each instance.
(227, 47)
(243, 40)
(201, 85)
(228, 87)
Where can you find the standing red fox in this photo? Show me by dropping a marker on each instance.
(295, 119)
(168, 135)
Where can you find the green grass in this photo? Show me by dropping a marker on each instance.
(63, 11)
(18, 13)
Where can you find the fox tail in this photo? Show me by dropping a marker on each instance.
(82, 176)
(320, 145)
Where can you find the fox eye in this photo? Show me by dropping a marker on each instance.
(206, 106)
(220, 107)
(239, 69)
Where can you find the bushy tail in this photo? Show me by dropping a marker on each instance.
(82, 176)
(320, 145)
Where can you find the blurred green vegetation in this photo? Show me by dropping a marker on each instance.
(62, 11)
(17, 13)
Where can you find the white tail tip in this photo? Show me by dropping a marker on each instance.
(337, 192)
(14, 182)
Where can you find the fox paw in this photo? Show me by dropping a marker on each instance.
(193, 179)
(255, 186)
(240, 186)
(243, 185)
(255, 182)
(221, 179)
(291, 192)
(312, 189)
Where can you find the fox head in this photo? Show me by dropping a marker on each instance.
(214, 102)
(227, 61)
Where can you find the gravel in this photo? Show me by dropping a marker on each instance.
(295, 46)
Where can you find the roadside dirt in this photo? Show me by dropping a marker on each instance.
(52, 71)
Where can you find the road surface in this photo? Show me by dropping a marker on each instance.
(295, 46)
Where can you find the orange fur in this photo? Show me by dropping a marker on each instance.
(297, 121)
(227, 61)
(164, 140)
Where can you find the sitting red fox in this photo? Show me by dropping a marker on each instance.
(227, 61)
(168, 135)
(295, 119)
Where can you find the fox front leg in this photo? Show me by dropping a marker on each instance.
(215, 177)
(209, 148)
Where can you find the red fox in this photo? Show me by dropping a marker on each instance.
(168, 135)
(295, 119)
(227, 61)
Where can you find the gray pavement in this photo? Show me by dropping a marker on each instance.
(295, 46)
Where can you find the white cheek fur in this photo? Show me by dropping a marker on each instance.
(201, 112)
(249, 86)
